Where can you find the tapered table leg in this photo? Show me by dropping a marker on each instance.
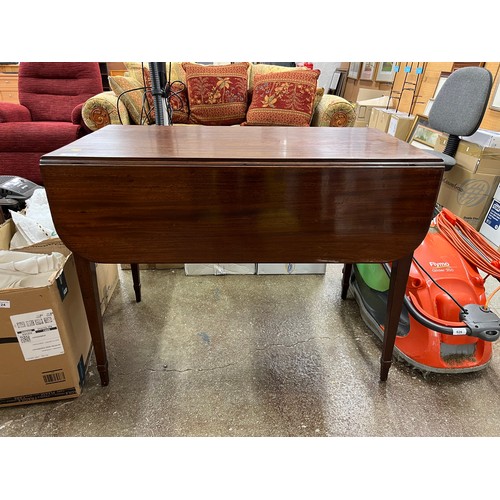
(136, 278)
(346, 276)
(90, 293)
(400, 270)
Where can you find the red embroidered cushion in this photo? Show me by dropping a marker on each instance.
(283, 99)
(179, 102)
(217, 94)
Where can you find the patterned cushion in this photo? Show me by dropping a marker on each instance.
(140, 71)
(132, 93)
(102, 110)
(217, 93)
(334, 111)
(179, 102)
(264, 69)
(178, 98)
(320, 92)
(283, 99)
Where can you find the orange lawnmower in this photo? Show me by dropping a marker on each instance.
(446, 325)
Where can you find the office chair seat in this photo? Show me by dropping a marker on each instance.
(449, 161)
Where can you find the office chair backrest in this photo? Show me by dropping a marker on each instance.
(460, 105)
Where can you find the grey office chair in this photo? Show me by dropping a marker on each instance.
(459, 108)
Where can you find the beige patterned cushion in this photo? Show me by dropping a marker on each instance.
(131, 92)
(334, 111)
(102, 110)
(264, 69)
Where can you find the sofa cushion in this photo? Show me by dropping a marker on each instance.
(179, 102)
(132, 93)
(102, 110)
(283, 99)
(334, 111)
(264, 69)
(178, 91)
(140, 71)
(320, 92)
(217, 93)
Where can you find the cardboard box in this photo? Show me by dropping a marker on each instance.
(107, 274)
(45, 340)
(474, 157)
(400, 126)
(365, 94)
(467, 194)
(218, 269)
(288, 268)
(107, 279)
(485, 138)
(381, 117)
(364, 109)
(490, 228)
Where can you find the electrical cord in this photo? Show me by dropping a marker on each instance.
(491, 296)
(471, 244)
(387, 270)
(167, 93)
(126, 92)
(438, 285)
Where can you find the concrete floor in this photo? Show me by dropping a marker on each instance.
(255, 356)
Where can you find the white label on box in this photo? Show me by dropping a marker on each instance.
(37, 334)
(4, 304)
(393, 124)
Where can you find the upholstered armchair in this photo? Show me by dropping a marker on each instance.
(48, 116)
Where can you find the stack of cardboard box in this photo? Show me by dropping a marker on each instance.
(490, 228)
(45, 341)
(395, 123)
(468, 188)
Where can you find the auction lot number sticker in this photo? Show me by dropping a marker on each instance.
(37, 334)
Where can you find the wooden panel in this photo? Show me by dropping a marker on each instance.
(491, 120)
(8, 88)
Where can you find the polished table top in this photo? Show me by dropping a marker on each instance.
(154, 194)
(241, 194)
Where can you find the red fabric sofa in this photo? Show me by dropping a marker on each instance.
(51, 96)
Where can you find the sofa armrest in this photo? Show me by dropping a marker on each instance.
(76, 115)
(13, 112)
(102, 110)
(334, 111)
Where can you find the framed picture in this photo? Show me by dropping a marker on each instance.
(367, 71)
(385, 72)
(421, 135)
(495, 102)
(337, 85)
(335, 80)
(354, 69)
